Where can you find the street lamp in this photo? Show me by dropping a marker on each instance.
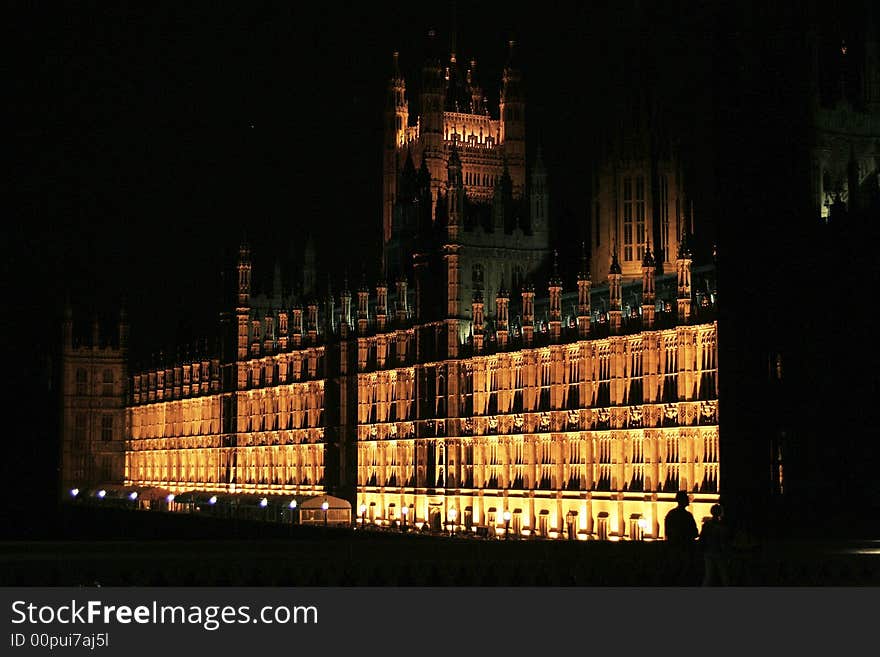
(74, 492)
(403, 512)
(506, 525)
(363, 510)
(102, 493)
(325, 506)
(452, 516)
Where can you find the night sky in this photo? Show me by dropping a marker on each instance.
(148, 140)
(154, 139)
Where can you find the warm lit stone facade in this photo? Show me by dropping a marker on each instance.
(502, 209)
(263, 432)
(583, 426)
(442, 398)
(587, 438)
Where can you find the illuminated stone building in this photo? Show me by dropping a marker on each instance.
(638, 198)
(94, 373)
(479, 386)
(249, 418)
(502, 213)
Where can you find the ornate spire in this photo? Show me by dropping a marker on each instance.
(615, 265)
(555, 280)
(584, 273)
(648, 260)
(684, 249)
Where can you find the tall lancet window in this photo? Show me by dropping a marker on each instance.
(633, 218)
(640, 218)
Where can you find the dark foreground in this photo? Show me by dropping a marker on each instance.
(127, 548)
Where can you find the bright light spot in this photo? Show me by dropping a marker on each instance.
(363, 509)
(213, 500)
(74, 492)
(325, 506)
(453, 514)
(643, 524)
(404, 511)
(292, 504)
(170, 497)
(102, 493)
(264, 502)
(507, 516)
(133, 495)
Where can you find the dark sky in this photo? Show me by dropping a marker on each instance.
(149, 139)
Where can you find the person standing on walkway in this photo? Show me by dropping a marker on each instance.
(714, 538)
(680, 530)
(679, 526)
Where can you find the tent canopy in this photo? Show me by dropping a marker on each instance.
(332, 502)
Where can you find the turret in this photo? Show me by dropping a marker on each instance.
(683, 267)
(454, 196)
(584, 285)
(244, 276)
(431, 116)
(648, 295)
(502, 305)
(345, 320)
(242, 309)
(312, 321)
(477, 320)
(396, 120)
(555, 291)
(283, 330)
(363, 307)
(614, 295)
(330, 310)
(478, 99)
(513, 112)
(297, 328)
(402, 310)
(381, 305)
(528, 312)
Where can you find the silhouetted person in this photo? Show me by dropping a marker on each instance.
(714, 539)
(680, 530)
(679, 526)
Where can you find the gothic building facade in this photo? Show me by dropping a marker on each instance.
(501, 207)
(461, 391)
(94, 381)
